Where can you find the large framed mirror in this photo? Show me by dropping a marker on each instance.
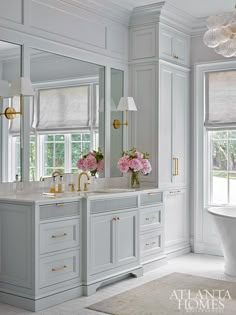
(67, 114)
(10, 70)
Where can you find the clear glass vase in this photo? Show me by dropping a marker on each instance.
(135, 180)
(93, 182)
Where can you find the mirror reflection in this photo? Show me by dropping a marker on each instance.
(10, 69)
(67, 114)
(117, 91)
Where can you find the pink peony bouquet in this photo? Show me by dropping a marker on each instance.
(92, 162)
(134, 161)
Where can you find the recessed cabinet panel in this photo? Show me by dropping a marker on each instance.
(144, 131)
(16, 245)
(144, 43)
(59, 268)
(173, 132)
(165, 127)
(102, 251)
(180, 114)
(176, 217)
(126, 238)
(174, 46)
(59, 235)
(12, 10)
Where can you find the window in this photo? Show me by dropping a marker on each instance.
(220, 123)
(222, 166)
(60, 133)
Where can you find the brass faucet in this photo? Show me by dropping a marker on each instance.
(79, 179)
(56, 173)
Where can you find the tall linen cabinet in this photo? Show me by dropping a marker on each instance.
(159, 83)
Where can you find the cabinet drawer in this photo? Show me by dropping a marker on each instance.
(150, 198)
(150, 217)
(104, 205)
(60, 209)
(151, 243)
(59, 268)
(59, 235)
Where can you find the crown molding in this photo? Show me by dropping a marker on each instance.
(105, 8)
(170, 15)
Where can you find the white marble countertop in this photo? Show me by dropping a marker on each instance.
(41, 198)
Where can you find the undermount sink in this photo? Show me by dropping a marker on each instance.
(112, 190)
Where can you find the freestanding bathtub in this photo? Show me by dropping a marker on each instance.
(225, 220)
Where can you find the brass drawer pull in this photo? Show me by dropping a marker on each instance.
(148, 244)
(60, 235)
(176, 57)
(60, 204)
(59, 268)
(118, 219)
(114, 219)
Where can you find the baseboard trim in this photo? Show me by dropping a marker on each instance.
(154, 263)
(40, 304)
(178, 252)
(208, 249)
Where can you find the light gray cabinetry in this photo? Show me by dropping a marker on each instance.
(39, 252)
(102, 248)
(151, 227)
(16, 246)
(176, 220)
(173, 126)
(174, 45)
(112, 241)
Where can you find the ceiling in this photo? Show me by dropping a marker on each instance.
(196, 8)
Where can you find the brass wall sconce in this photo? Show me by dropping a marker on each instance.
(125, 104)
(22, 87)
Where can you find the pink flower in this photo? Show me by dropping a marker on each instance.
(146, 166)
(123, 164)
(100, 167)
(80, 164)
(90, 163)
(138, 154)
(135, 165)
(91, 153)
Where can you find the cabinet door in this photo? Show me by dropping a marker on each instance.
(165, 127)
(179, 129)
(16, 245)
(144, 121)
(127, 238)
(174, 46)
(176, 219)
(102, 249)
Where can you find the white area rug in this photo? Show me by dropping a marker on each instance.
(174, 294)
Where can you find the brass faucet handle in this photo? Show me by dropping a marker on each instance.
(86, 186)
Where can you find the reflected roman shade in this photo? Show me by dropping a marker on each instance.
(220, 103)
(63, 108)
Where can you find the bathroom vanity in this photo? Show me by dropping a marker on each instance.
(53, 250)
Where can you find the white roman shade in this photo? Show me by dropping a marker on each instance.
(220, 109)
(63, 108)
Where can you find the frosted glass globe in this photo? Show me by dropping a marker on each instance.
(231, 48)
(211, 38)
(215, 21)
(221, 49)
(224, 34)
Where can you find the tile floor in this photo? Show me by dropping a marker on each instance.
(195, 264)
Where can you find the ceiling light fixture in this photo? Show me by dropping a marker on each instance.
(221, 34)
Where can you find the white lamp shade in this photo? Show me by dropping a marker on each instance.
(4, 88)
(126, 103)
(22, 86)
